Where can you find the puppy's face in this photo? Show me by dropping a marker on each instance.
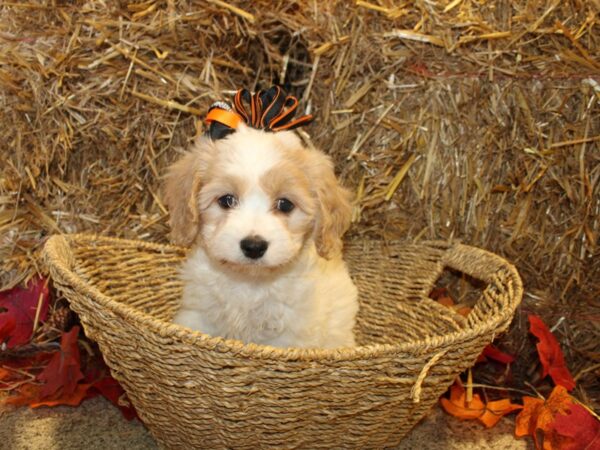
(253, 199)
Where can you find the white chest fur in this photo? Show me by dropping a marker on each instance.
(312, 303)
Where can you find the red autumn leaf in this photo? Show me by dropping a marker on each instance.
(550, 353)
(102, 383)
(4, 374)
(26, 394)
(487, 413)
(493, 353)
(7, 326)
(62, 382)
(110, 389)
(72, 399)
(21, 305)
(581, 427)
(59, 378)
(18, 370)
(63, 372)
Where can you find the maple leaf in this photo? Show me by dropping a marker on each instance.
(487, 413)
(63, 372)
(538, 415)
(550, 353)
(580, 427)
(21, 305)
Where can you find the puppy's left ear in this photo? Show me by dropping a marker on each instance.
(180, 190)
(335, 208)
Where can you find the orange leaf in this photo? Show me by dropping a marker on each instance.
(446, 301)
(458, 405)
(464, 311)
(539, 415)
(488, 414)
(494, 411)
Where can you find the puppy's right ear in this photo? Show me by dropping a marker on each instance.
(180, 192)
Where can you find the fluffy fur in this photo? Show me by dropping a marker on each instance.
(298, 293)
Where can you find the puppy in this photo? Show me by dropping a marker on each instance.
(264, 217)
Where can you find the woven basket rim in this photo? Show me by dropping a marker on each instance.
(258, 351)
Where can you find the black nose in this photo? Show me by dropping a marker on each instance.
(254, 246)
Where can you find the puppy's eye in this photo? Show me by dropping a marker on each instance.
(227, 201)
(284, 205)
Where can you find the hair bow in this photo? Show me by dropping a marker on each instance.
(269, 110)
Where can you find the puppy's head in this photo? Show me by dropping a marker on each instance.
(254, 198)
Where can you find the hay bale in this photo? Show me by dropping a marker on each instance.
(456, 119)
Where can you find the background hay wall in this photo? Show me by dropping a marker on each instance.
(468, 119)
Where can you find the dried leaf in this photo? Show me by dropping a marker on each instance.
(550, 353)
(489, 414)
(21, 305)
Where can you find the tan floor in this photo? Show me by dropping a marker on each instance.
(97, 425)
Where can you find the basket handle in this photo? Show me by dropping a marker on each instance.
(475, 262)
(504, 289)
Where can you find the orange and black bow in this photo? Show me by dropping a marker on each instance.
(269, 110)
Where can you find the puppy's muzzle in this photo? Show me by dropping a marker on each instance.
(254, 247)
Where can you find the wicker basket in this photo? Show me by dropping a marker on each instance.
(196, 391)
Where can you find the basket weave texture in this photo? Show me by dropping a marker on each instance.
(196, 391)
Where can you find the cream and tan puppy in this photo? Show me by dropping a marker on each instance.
(264, 217)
